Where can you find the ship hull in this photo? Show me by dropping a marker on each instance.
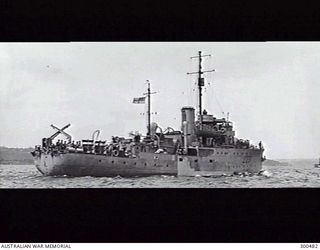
(227, 161)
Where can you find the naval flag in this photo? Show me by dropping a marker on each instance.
(139, 100)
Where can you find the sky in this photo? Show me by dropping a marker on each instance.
(270, 90)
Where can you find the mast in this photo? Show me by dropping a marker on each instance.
(149, 107)
(200, 83)
(148, 94)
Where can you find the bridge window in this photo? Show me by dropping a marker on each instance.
(180, 159)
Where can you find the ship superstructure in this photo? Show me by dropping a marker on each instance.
(205, 145)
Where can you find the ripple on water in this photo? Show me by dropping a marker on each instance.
(299, 174)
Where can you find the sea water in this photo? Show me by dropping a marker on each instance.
(300, 173)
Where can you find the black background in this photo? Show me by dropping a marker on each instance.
(123, 20)
(159, 215)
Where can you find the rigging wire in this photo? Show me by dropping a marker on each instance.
(210, 90)
(217, 100)
(213, 91)
(191, 86)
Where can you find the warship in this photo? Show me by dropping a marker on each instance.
(204, 146)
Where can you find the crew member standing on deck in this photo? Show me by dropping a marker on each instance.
(260, 145)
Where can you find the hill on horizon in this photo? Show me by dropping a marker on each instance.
(16, 156)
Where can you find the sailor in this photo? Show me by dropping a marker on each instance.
(64, 145)
(58, 143)
(132, 148)
(49, 142)
(137, 138)
(176, 146)
(44, 142)
(260, 145)
(120, 146)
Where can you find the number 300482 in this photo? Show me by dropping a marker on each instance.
(309, 246)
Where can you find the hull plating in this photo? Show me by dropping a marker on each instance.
(226, 161)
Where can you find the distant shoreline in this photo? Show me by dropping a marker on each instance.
(16, 156)
(270, 162)
(16, 163)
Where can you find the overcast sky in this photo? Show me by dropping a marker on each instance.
(271, 90)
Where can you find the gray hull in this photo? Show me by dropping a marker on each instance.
(218, 162)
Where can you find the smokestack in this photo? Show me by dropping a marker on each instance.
(188, 116)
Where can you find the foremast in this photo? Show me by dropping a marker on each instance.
(148, 94)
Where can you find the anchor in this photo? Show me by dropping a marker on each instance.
(61, 131)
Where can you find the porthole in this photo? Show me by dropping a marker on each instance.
(167, 165)
(210, 160)
(135, 163)
(112, 162)
(145, 164)
(155, 165)
(99, 160)
(196, 160)
(124, 162)
(180, 159)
